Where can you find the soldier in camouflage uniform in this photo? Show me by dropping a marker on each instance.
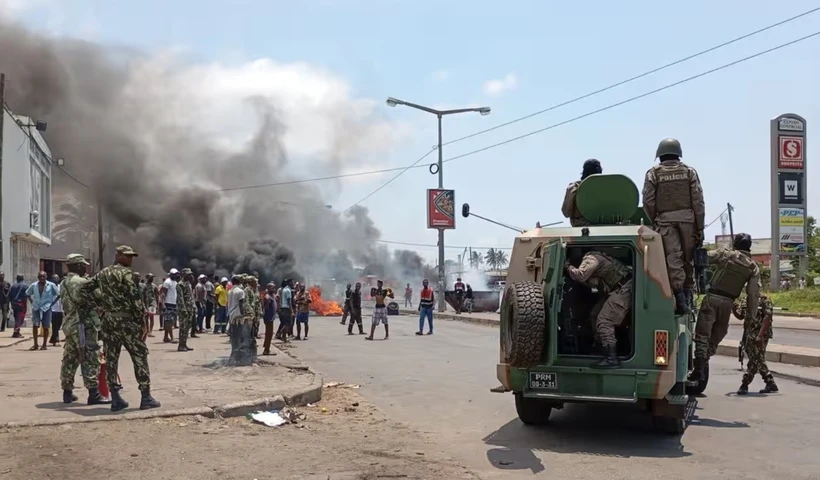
(757, 331)
(614, 282)
(81, 327)
(122, 326)
(185, 309)
(673, 200)
(254, 302)
(570, 211)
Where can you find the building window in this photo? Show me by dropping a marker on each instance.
(40, 190)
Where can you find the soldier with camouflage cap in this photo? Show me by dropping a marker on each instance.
(570, 211)
(185, 309)
(757, 331)
(81, 326)
(673, 200)
(122, 326)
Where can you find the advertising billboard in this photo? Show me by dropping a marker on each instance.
(792, 227)
(441, 208)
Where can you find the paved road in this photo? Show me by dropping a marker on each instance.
(782, 336)
(441, 384)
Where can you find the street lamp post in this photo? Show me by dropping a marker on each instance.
(392, 102)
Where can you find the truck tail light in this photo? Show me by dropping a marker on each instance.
(661, 347)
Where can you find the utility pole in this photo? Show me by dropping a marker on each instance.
(729, 209)
(2, 119)
(100, 244)
(442, 278)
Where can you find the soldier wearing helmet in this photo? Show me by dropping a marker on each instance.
(735, 270)
(570, 211)
(673, 200)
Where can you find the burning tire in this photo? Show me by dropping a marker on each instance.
(523, 324)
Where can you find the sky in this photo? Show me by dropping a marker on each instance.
(517, 57)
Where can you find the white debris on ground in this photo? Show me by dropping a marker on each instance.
(341, 384)
(275, 418)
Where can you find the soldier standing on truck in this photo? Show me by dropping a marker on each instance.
(735, 269)
(614, 280)
(757, 331)
(570, 211)
(673, 200)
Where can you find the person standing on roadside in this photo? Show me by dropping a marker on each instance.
(221, 296)
(5, 290)
(200, 299)
(380, 310)
(426, 302)
(270, 306)
(122, 326)
(210, 301)
(56, 313)
(285, 312)
(346, 311)
(458, 289)
(356, 309)
(149, 299)
(408, 296)
(468, 298)
(42, 295)
(185, 309)
(82, 331)
(302, 302)
(19, 305)
(168, 299)
(757, 331)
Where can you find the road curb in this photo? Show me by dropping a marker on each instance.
(296, 397)
(17, 341)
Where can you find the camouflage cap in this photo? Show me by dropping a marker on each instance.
(76, 259)
(126, 250)
(187, 271)
(136, 274)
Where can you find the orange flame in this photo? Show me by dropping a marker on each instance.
(323, 307)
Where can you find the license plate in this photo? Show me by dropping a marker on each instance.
(543, 381)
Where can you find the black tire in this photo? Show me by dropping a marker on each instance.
(523, 320)
(532, 411)
(669, 425)
(701, 386)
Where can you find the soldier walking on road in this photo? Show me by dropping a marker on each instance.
(122, 326)
(356, 310)
(673, 200)
(757, 331)
(82, 328)
(570, 211)
(614, 279)
(346, 311)
(185, 309)
(735, 269)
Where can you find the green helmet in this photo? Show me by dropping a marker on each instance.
(669, 146)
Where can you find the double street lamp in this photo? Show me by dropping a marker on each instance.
(392, 102)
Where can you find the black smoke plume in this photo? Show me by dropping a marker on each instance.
(128, 130)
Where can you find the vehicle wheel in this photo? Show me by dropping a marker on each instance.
(523, 319)
(532, 411)
(701, 386)
(669, 425)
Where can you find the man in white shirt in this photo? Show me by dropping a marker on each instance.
(236, 302)
(168, 300)
(56, 313)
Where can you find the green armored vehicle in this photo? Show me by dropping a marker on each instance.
(548, 352)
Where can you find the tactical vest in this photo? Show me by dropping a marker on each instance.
(672, 191)
(731, 278)
(610, 271)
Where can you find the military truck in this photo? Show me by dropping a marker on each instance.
(547, 339)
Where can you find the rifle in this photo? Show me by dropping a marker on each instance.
(740, 348)
(701, 264)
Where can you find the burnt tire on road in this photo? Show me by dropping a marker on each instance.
(523, 317)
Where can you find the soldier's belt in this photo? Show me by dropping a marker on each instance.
(721, 293)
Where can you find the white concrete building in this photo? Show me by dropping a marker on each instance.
(27, 212)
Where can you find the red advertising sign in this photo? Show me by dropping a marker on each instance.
(791, 153)
(441, 208)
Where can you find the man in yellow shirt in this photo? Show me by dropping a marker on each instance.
(221, 294)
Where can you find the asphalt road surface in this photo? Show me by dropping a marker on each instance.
(782, 336)
(440, 384)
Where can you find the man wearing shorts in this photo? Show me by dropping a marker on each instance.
(380, 311)
(302, 301)
(42, 295)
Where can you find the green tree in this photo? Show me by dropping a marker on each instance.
(501, 259)
(491, 258)
(475, 259)
(812, 246)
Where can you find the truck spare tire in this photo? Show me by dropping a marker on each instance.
(523, 324)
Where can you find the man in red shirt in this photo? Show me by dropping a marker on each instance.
(426, 303)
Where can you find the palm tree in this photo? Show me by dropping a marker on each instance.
(501, 259)
(475, 260)
(491, 258)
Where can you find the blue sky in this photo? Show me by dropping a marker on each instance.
(540, 53)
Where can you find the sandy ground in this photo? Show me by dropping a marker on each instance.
(346, 442)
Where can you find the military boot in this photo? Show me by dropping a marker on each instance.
(681, 307)
(117, 402)
(744, 389)
(610, 360)
(69, 397)
(148, 401)
(770, 387)
(94, 397)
